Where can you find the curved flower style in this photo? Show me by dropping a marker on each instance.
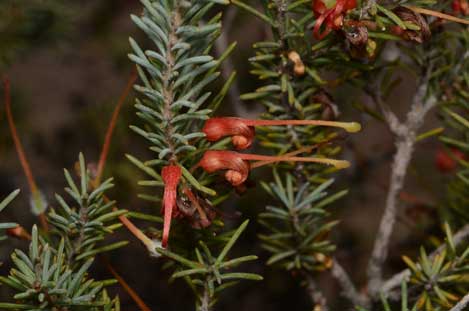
(242, 131)
(171, 175)
(237, 166)
(332, 16)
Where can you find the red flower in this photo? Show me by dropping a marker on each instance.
(332, 16)
(460, 7)
(242, 131)
(237, 165)
(171, 175)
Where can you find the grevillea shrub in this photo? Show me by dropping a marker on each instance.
(323, 74)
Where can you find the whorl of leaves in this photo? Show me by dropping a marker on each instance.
(87, 219)
(440, 280)
(298, 229)
(43, 280)
(209, 274)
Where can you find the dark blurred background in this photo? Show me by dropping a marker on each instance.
(68, 66)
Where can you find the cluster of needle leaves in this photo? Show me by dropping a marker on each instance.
(54, 273)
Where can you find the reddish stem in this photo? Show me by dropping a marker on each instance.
(112, 125)
(132, 293)
(20, 151)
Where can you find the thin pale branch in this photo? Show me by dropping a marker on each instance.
(348, 289)
(315, 294)
(205, 300)
(406, 134)
(461, 304)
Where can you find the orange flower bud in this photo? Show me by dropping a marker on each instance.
(237, 169)
(242, 133)
(171, 175)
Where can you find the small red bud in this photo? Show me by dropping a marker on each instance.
(242, 134)
(171, 175)
(445, 163)
(237, 169)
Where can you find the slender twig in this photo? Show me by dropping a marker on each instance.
(205, 300)
(405, 133)
(35, 193)
(317, 297)
(136, 298)
(348, 289)
(112, 125)
(461, 304)
(396, 280)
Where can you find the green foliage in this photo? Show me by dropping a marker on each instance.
(298, 229)
(86, 221)
(43, 280)
(175, 76)
(209, 274)
(7, 225)
(53, 274)
(442, 279)
(387, 305)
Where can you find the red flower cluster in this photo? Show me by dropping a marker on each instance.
(236, 165)
(332, 16)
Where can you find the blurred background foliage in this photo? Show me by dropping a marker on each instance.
(68, 64)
